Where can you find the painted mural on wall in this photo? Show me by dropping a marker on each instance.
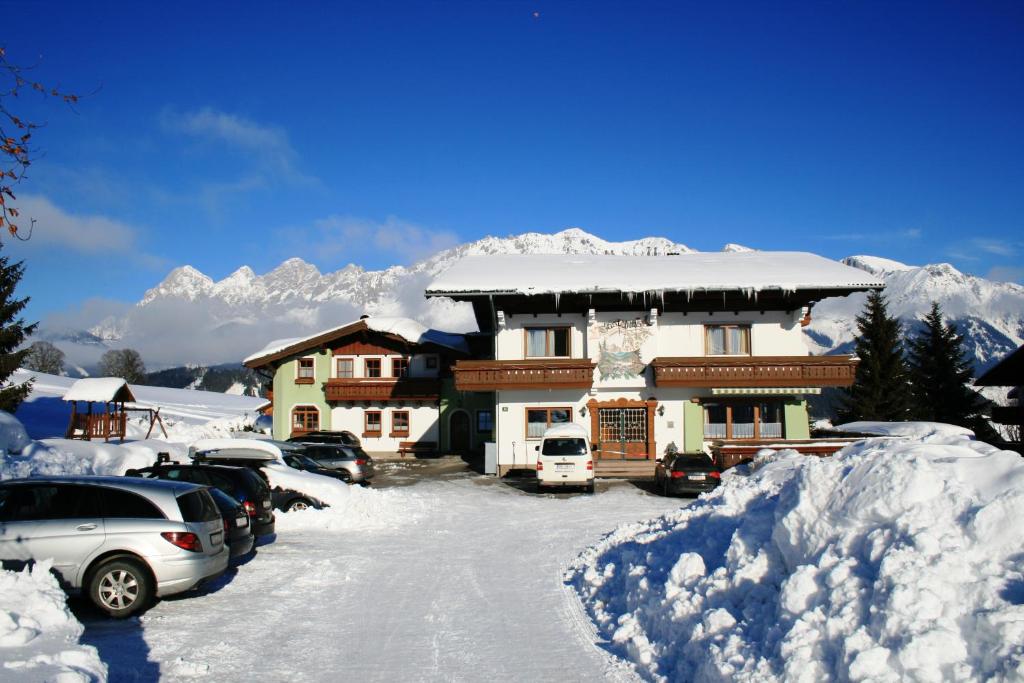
(619, 343)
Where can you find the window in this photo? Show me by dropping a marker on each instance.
(547, 342)
(727, 340)
(372, 366)
(371, 423)
(430, 362)
(484, 421)
(399, 367)
(345, 368)
(400, 423)
(126, 505)
(743, 420)
(306, 371)
(539, 419)
(48, 501)
(305, 419)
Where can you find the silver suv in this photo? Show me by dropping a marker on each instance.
(353, 464)
(121, 541)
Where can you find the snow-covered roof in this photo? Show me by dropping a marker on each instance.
(752, 271)
(405, 328)
(569, 430)
(99, 390)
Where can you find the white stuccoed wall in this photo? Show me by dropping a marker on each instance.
(423, 425)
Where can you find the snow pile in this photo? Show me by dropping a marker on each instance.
(13, 437)
(63, 456)
(38, 634)
(924, 431)
(895, 560)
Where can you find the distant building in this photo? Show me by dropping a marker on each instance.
(702, 351)
(387, 380)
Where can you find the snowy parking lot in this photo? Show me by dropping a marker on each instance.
(449, 576)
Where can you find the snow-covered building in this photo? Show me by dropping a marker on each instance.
(690, 350)
(387, 380)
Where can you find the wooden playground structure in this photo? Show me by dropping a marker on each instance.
(103, 413)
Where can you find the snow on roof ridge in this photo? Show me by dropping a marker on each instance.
(98, 390)
(751, 271)
(411, 330)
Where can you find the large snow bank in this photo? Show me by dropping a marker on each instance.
(894, 560)
(13, 437)
(911, 430)
(75, 457)
(38, 634)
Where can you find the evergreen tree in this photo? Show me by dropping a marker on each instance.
(940, 376)
(13, 331)
(881, 389)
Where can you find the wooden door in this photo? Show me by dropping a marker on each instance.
(458, 432)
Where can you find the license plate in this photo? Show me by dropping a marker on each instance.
(698, 477)
(217, 537)
(568, 467)
(241, 521)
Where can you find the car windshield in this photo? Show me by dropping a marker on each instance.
(568, 446)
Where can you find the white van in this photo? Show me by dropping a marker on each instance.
(564, 458)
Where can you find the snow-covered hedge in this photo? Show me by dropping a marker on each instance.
(895, 560)
(38, 634)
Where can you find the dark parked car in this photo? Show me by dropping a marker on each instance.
(240, 483)
(352, 463)
(301, 462)
(343, 437)
(686, 473)
(238, 534)
(285, 500)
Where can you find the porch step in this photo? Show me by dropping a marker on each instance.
(624, 469)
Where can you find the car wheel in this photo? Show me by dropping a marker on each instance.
(299, 504)
(345, 476)
(120, 588)
(590, 488)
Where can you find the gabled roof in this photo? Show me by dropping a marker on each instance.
(405, 329)
(99, 390)
(752, 271)
(1009, 372)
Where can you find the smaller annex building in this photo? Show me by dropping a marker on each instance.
(386, 380)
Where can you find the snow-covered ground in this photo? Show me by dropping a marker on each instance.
(458, 578)
(188, 415)
(899, 559)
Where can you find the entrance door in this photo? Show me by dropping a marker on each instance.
(623, 433)
(458, 432)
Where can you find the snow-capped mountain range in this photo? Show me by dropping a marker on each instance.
(190, 318)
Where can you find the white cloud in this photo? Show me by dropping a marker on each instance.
(405, 242)
(908, 234)
(90, 234)
(1006, 274)
(269, 146)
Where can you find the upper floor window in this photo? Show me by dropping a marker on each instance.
(345, 368)
(399, 367)
(372, 366)
(547, 342)
(306, 371)
(727, 340)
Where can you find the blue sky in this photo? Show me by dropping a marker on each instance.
(219, 135)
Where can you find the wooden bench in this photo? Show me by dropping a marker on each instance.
(417, 448)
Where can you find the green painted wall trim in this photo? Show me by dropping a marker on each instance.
(693, 427)
(795, 420)
(288, 394)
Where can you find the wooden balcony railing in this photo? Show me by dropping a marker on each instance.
(504, 375)
(383, 389)
(755, 371)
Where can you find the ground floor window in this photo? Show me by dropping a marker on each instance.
(743, 420)
(305, 419)
(400, 423)
(539, 419)
(484, 421)
(371, 423)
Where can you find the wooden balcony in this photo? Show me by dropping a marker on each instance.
(506, 375)
(755, 371)
(383, 389)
